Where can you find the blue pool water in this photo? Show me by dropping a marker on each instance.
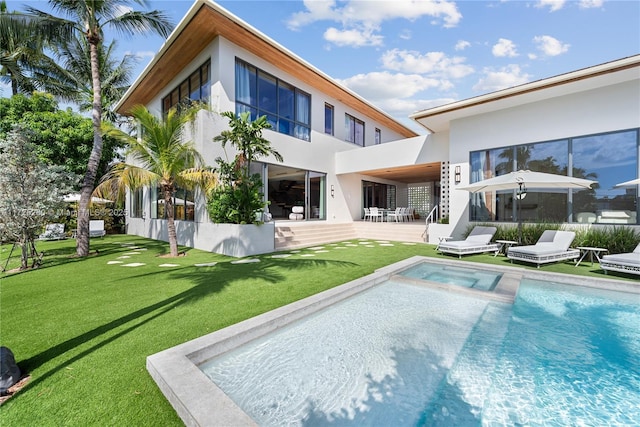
(404, 355)
(467, 277)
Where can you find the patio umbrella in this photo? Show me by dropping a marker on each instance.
(524, 180)
(631, 183)
(75, 197)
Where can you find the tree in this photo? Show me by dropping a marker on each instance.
(159, 157)
(61, 137)
(31, 192)
(89, 19)
(239, 199)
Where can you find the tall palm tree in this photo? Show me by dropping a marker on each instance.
(89, 19)
(159, 157)
(23, 40)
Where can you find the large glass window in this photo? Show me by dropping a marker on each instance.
(375, 194)
(354, 130)
(287, 108)
(195, 88)
(136, 203)
(291, 187)
(183, 204)
(607, 158)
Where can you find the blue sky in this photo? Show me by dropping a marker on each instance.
(406, 56)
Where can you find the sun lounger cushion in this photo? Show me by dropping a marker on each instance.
(552, 246)
(625, 262)
(476, 242)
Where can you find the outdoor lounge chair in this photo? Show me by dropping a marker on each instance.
(552, 246)
(478, 241)
(53, 232)
(96, 228)
(626, 262)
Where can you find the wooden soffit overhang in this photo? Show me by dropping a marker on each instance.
(204, 22)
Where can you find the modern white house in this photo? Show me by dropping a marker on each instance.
(343, 154)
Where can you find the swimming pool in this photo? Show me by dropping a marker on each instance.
(397, 353)
(468, 277)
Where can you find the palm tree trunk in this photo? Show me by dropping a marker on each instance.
(171, 225)
(82, 244)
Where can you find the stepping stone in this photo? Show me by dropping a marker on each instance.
(408, 244)
(132, 253)
(386, 244)
(169, 265)
(382, 241)
(369, 246)
(245, 261)
(114, 262)
(319, 252)
(133, 264)
(351, 245)
(341, 247)
(124, 257)
(206, 264)
(308, 255)
(280, 256)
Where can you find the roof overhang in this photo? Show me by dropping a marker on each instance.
(439, 119)
(205, 21)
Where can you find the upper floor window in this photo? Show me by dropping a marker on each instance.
(378, 136)
(328, 119)
(354, 130)
(194, 88)
(288, 109)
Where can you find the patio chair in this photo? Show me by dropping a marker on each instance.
(625, 262)
(53, 232)
(395, 215)
(478, 241)
(376, 214)
(552, 246)
(367, 214)
(96, 228)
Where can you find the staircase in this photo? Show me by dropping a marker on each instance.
(293, 235)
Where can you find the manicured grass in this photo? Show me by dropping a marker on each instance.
(82, 328)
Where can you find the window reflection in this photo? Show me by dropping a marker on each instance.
(608, 158)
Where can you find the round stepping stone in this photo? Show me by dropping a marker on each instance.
(280, 256)
(133, 264)
(308, 255)
(386, 244)
(114, 262)
(319, 252)
(169, 265)
(245, 261)
(124, 257)
(408, 244)
(206, 264)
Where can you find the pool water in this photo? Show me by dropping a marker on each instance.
(467, 277)
(404, 355)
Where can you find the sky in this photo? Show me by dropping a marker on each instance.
(410, 55)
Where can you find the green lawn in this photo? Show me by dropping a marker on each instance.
(82, 328)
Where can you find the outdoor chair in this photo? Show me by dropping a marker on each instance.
(395, 215)
(625, 262)
(367, 214)
(53, 232)
(376, 214)
(552, 246)
(478, 241)
(297, 213)
(96, 228)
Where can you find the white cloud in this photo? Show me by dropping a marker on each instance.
(553, 5)
(590, 4)
(437, 64)
(550, 46)
(141, 54)
(502, 78)
(405, 35)
(503, 48)
(366, 17)
(462, 45)
(380, 86)
(355, 38)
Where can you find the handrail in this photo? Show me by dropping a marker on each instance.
(433, 215)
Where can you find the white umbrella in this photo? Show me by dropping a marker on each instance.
(75, 197)
(177, 201)
(631, 183)
(524, 180)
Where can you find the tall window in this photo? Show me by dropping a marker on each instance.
(136, 203)
(195, 88)
(288, 109)
(354, 130)
(183, 205)
(328, 119)
(378, 136)
(608, 158)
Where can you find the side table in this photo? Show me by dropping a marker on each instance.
(504, 246)
(591, 251)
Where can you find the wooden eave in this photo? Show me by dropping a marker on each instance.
(207, 24)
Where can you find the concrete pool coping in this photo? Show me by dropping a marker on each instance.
(199, 402)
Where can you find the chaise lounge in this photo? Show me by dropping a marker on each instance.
(53, 232)
(552, 246)
(626, 262)
(477, 241)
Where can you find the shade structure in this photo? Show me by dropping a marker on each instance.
(631, 183)
(75, 197)
(528, 180)
(524, 180)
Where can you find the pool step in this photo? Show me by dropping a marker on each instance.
(463, 392)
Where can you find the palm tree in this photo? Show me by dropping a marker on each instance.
(23, 39)
(88, 19)
(161, 158)
(76, 82)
